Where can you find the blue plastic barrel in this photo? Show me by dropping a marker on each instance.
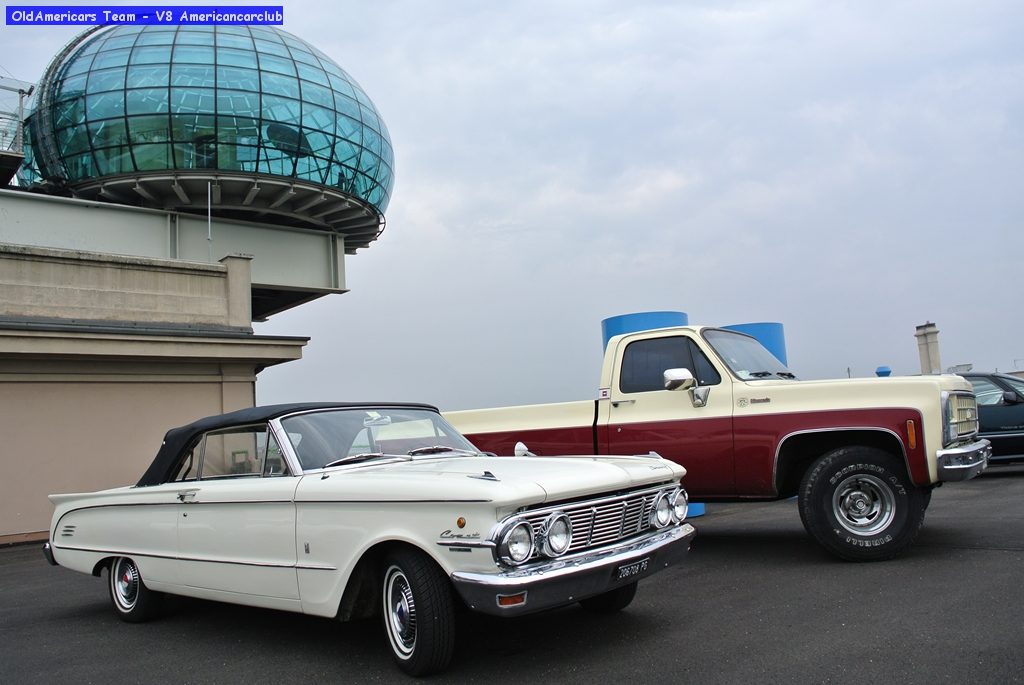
(640, 321)
(768, 333)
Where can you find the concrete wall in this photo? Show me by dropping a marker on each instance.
(77, 428)
(283, 257)
(40, 283)
(101, 354)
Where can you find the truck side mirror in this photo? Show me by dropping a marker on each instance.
(679, 379)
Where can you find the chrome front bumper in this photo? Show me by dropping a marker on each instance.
(964, 462)
(564, 581)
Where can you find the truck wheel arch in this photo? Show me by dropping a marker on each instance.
(799, 450)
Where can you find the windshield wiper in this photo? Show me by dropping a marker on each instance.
(364, 456)
(437, 449)
(760, 374)
(786, 374)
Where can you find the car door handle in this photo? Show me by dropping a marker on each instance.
(187, 495)
(616, 403)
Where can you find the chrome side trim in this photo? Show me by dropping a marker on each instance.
(476, 544)
(876, 429)
(151, 555)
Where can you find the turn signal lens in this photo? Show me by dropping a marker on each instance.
(911, 434)
(506, 601)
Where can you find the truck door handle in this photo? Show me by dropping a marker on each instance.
(616, 403)
(187, 495)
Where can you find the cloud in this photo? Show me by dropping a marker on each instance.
(851, 170)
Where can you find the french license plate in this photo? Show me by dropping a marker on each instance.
(633, 569)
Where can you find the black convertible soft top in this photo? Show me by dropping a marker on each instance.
(178, 439)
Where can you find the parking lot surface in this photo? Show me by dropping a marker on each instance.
(756, 602)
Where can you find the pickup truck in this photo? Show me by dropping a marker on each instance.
(861, 455)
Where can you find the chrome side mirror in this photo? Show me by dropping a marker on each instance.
(678, 379)
(521, 450)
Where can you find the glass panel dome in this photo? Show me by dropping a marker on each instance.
(140, 100)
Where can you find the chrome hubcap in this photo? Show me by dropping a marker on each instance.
(126, 583)
(401, 609)
(863, 505)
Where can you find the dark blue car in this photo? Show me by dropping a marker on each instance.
(1000, 413)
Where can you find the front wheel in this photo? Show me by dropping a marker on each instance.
(419, 613)
(860, 505)
(133, 601)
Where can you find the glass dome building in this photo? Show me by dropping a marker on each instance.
(250, 120)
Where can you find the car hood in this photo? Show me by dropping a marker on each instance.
(502, 480)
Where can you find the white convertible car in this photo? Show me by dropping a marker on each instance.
(347, 510)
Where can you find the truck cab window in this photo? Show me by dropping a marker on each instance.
(644, 362)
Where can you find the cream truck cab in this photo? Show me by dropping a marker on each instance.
(862, 455)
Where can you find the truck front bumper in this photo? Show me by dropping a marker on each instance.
(964, 462)
(564, 581)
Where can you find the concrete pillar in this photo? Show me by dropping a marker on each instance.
(239, 286)
(928, 347)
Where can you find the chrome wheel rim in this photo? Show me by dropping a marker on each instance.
(399, 612)
(126, 582)
(863, 504)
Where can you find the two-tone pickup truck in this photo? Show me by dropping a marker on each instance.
(861, 455)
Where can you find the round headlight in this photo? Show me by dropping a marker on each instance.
(680, 504)
(557, 534)
(517, 543)
(661, 514)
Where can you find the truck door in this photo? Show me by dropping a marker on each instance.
(640, 415)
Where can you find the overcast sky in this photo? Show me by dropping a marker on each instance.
(849, 169)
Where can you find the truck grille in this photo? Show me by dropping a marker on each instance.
(965, 414)
(604, 521)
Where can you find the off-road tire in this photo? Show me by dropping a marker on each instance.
(860, 505)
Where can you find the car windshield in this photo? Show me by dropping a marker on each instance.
(745, 356)
(1015, 383)
(343, 436)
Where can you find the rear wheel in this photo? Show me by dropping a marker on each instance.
(860, 505)
(132, 600)
(611, 601)
(419, 613)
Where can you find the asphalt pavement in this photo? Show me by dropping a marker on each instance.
(756, 602)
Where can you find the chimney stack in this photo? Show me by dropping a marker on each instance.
(928, 346)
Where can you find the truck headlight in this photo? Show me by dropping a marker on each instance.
(661, 513)
(557, 534)
(949, 426)
(516, 544)
(680, 504)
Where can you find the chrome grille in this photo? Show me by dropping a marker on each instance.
(965, 413)
(601, 522)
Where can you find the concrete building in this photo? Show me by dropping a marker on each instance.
(178, 183)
